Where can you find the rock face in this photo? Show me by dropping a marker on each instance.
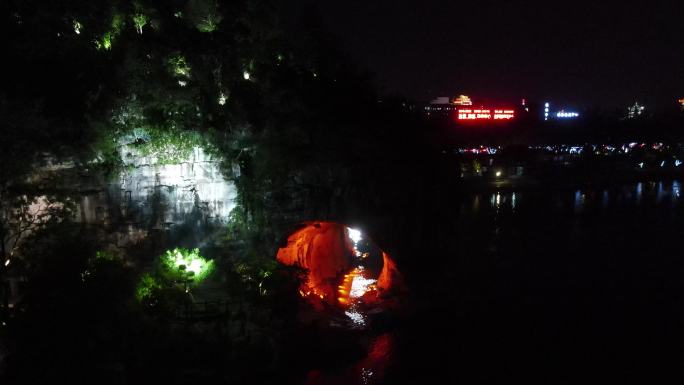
(390, 277)
(166, 194)
(324, 249)
(149, 195)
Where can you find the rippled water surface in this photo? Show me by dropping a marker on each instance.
(546, 285)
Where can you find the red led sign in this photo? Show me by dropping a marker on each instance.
(485, 114)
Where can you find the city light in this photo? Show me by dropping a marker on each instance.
(546, 111)
(635, 110)
(354, 235)
(485, 114)
(463, 100)
(504, 114)
(563, 114)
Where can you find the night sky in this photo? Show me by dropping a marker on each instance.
(577, 53)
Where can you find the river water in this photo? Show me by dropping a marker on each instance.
(546, 285)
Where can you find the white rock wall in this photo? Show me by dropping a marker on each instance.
(167, 193)
(196, 183)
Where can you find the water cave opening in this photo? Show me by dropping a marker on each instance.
(346, 270)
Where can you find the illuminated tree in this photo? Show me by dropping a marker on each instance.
(178, 270)
(185, 266)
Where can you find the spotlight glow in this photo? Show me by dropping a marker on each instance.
(354, 235)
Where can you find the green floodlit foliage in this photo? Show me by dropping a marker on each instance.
(140, 20)
(106, 40)
(169, 146)
(77, 27)
(182, 263)
(105, 256)
(179, 66)
(178, 269)
(209, 23)
(146, 287)
(205, 15)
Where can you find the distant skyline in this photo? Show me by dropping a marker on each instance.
(580, 53)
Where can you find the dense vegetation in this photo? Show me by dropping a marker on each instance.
(290, 121)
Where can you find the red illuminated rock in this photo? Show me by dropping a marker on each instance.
(324, 249)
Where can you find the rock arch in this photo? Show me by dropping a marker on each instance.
(326, 250)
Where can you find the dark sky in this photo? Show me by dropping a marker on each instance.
(576, 53)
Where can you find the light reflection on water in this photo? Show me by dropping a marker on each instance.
(513, 200)
(502, 211)
(676, 188)
(640, 193)
(369, 370)
(661, 192)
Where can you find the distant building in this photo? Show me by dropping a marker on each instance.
(635, 111)
(445, 105)
(463, 100)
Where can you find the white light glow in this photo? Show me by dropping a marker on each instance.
(246, 75)
(359, 286)
(563, 114)
(354, 235)
(513, 201)
(356, 317)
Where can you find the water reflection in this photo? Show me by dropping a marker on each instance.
(476, 202)
(582, 200)
(676, 188)
(661, 192)
(513, 200)
(369, 370)
(495, 200)
(535, 235)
